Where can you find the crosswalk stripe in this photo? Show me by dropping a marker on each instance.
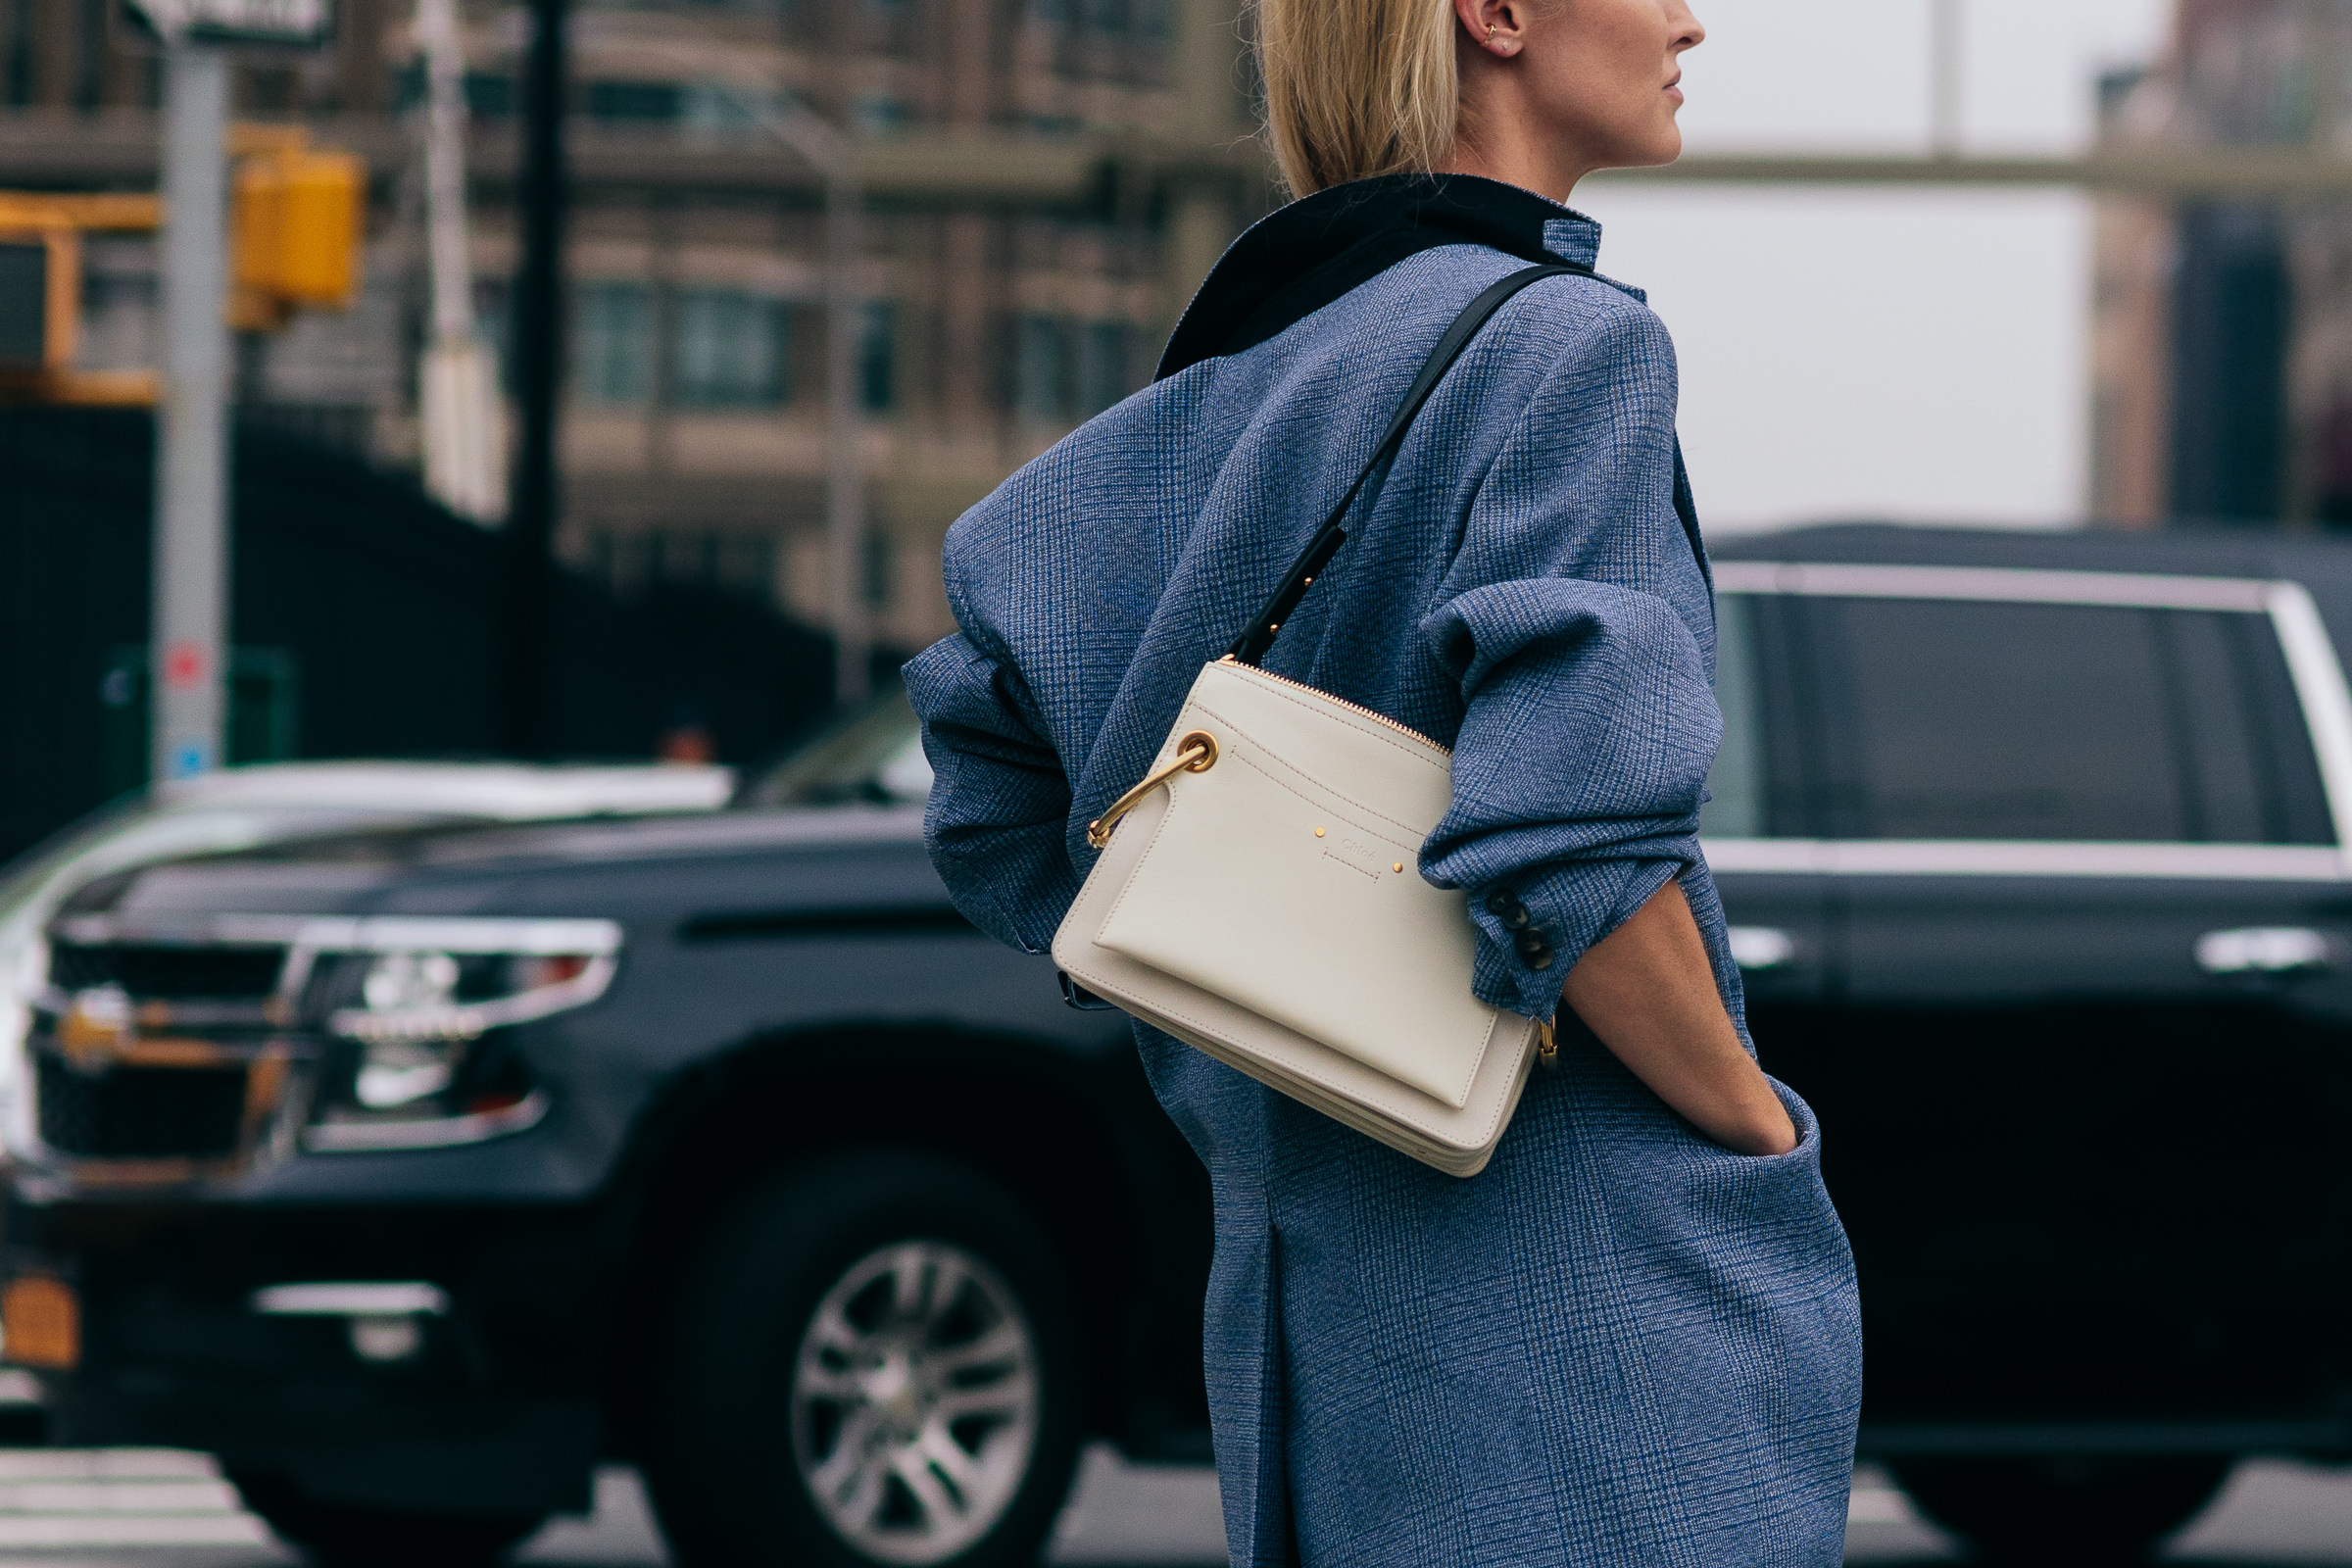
(52, 1497)
(128, 1498)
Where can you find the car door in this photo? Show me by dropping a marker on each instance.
(1752, 832)
(2089, 1121)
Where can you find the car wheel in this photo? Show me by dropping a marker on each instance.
(366, 1537)
(2070, 1510)
(869, 1360)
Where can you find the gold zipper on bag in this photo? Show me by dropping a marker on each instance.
(1197, 753)
(1352, 707)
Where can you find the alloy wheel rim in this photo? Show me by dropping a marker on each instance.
(914, 1402)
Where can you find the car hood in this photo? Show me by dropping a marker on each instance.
(452, 871)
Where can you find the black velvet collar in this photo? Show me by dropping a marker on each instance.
(1304, 256)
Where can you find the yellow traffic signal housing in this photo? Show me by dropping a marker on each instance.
(299, 221)
(40, 297)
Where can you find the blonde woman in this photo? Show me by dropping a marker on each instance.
(1633, 1338)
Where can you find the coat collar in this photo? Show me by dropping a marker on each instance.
(1304, 256)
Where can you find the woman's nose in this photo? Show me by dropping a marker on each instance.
(1687, 31)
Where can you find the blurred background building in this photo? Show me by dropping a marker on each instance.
(2222, 360)
(1047, 181)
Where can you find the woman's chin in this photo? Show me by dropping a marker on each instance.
(1664, 148)
(1646, 152)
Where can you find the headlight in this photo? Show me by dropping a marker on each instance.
(413, 1007)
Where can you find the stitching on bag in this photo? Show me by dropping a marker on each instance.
(1168, 814)
(1115, 989)
(1475, 1062)
(1143, 855)
(1408, 1118)
(1307, 1072)
(1443, 762)
(1414, 836)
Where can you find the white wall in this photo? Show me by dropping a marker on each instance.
(1908, 354)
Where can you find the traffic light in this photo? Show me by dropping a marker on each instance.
(299, 221)
(40, 297)
(40, 280)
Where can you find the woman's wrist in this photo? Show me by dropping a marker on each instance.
(1760, 1130)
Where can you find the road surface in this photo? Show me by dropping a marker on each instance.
(159, 1508)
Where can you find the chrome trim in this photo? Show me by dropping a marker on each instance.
(352, 1299)
(1760, 948)
(472, 1019)
(527, 938)
(439, 1132)
(279, 1062)
(2207, 863)
(2318, 678)
(2264, 950)
(1790, 856)
(2312, 663)
(2010, 584)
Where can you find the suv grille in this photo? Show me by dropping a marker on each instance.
(140, 1113)
(169, 974)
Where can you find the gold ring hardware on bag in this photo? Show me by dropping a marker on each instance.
(1197, 753)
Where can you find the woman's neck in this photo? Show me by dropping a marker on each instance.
(1496, 141)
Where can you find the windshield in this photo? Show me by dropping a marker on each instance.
(875, 756)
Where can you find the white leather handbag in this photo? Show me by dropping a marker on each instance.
(1258, 894)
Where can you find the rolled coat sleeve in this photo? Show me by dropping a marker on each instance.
(998, 807)
(1573, 620)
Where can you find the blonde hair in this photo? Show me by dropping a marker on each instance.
(1357, 88)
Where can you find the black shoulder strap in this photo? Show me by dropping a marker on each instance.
(1251, 645)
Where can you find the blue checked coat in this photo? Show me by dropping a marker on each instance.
(1620, 1343)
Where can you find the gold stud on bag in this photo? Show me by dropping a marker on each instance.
(1253, 899)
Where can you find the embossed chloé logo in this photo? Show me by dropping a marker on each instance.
(1355, 854)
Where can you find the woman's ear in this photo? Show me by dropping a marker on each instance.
(1495, 26)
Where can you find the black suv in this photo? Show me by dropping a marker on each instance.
(413, 1172)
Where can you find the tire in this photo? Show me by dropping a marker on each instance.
(2062, 1510)
(870, 1359)
(378, 1537)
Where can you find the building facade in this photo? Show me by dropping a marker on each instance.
(2222, 357)
(1047, 181)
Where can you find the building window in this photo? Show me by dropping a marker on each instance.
(1037, 370)
(1101, 366)
(877, 569)
(877, 114)
(730, 351)
(741, 564)
(721, 109)
(1064, 372)
(612, 339)
(636, 102)
(878, 358)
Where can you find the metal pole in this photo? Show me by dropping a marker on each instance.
(188, 637)
(845, 476)
(1947, 46)
(463, 419)
(538, 371)
(451, 269)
